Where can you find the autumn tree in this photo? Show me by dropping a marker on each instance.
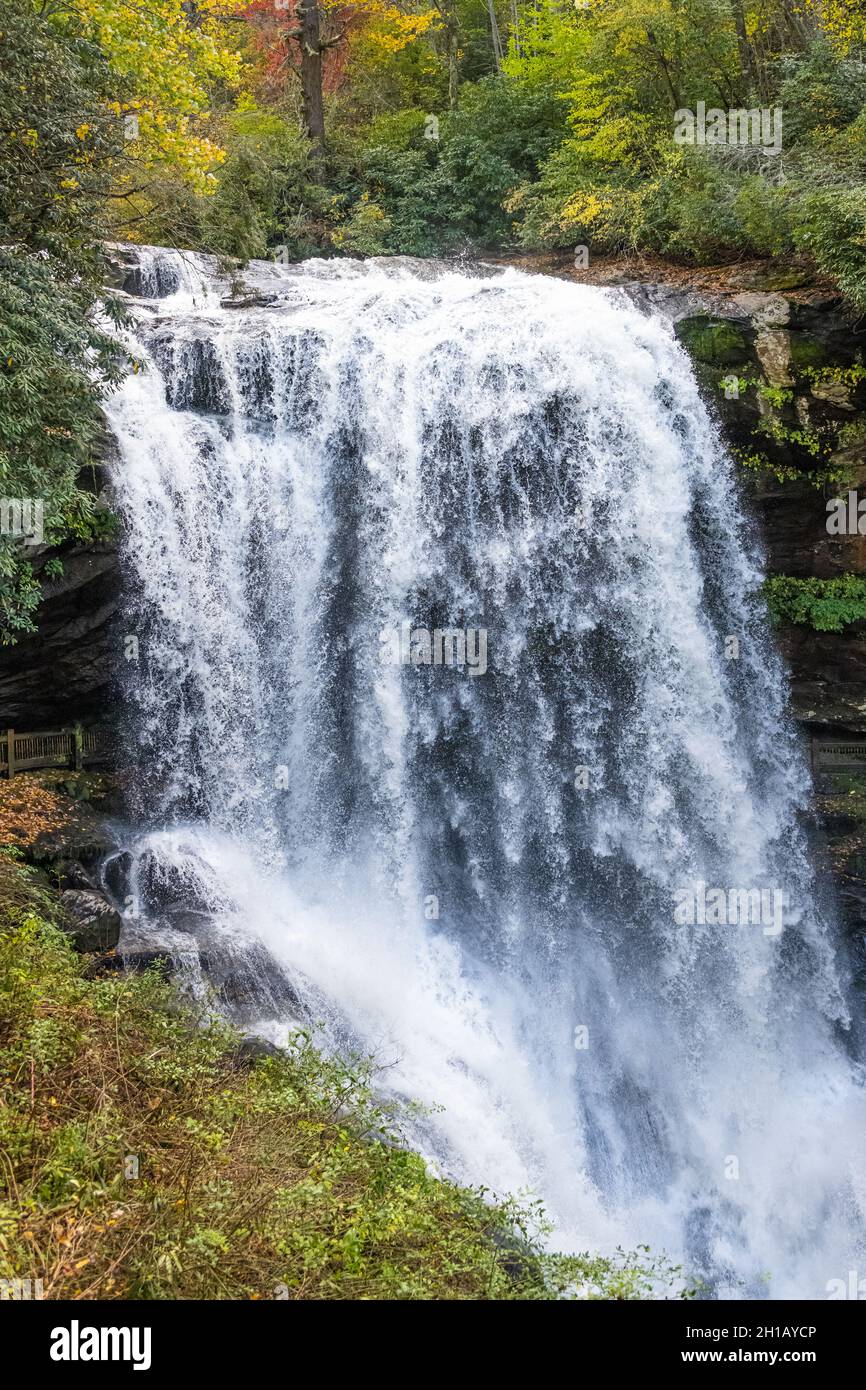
(172, 55)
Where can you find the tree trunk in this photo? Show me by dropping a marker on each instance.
(748, 71)
(515, 27)
(451, 25)
(494, 34)
(453, 73)
(665, 69)
(311, 77)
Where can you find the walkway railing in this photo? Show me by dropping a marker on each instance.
(75, 747)
(828, 754)
(70, 748)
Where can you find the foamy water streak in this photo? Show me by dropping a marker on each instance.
(372, 444)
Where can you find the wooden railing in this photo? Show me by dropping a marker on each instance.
(70, 748)
(73, 748)
(842, 753)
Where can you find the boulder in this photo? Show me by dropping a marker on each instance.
(773, 350)
(251, 1050)
(91, 921)
(765, 310)
(71, 873)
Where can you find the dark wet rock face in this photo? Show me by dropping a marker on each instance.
(253, 1050)
(64, 672)
(192, 373)
(828, 678)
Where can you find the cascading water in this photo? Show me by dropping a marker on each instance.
(470, 869)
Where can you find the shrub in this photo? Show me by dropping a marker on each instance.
(827, 605)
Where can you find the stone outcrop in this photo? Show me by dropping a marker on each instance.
(828, 678)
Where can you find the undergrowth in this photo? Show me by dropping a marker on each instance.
(144, 1155)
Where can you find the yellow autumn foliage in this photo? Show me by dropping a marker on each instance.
(390, 29)
(172, 64)
(843, 21)
(584, 208)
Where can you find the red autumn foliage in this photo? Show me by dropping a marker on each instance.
(269, 24)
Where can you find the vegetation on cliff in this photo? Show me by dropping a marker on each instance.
(827, 605)
(59, 142)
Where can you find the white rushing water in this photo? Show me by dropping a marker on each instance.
(470, 871)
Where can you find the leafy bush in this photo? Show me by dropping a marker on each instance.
(831, 226)
(365, 231)
(266, 196)
(827, 605)
(444, 193)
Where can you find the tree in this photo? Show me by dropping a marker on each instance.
(59, 139)
(451, 27)
(312, 47)
(315, 30)
(172, 56)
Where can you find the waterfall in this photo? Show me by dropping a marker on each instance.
(461, 741)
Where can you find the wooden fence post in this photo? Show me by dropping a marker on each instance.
(10, 756)
(77, 748)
